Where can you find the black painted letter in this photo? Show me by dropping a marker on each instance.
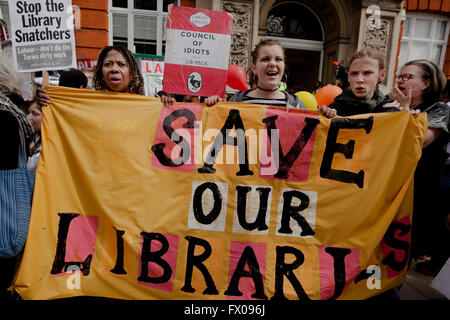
(196, 261)
(391, 241)
(198, 207)
(233, 120)
(282, 269)
(118, 268)
(290, 211)
(59, 264)
(347, 149)
(340, 276)
(286, 161)
(260, 221)
(248, 257)
(185, 151)
(154, 256)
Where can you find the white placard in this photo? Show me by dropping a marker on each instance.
(42, 35)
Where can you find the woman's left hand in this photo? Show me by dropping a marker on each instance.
(327, 112)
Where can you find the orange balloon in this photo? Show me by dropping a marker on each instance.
(325, 95)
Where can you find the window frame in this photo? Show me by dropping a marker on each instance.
(408, 40)
(130, 12)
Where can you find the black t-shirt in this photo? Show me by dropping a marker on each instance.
(433, 157)
(9, 141)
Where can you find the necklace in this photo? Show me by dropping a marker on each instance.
(268, 90)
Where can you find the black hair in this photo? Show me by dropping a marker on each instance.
(73, 78)
(136, 83)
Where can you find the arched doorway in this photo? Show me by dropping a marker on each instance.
(300, 32)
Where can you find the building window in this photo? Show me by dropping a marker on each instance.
(139, 25)
(424, 37)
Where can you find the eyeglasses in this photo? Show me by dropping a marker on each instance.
(406, 76)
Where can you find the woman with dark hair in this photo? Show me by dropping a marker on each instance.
(420, 85)
(116, 70)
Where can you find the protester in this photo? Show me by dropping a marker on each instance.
(317, 86)
(14, 128)
(116, 70)
(35, 117)
(420, 85)
(365, 71)
(73, 78)
(265, 74)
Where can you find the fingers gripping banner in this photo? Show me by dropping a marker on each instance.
(134, 200)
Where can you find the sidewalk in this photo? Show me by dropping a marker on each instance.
(417, 287)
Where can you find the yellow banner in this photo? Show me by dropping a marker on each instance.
(134, 200)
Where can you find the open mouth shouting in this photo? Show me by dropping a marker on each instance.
(272, 74)
(360, 90)
(115, 80)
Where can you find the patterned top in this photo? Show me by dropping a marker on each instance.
(267, 102)
(438, 115)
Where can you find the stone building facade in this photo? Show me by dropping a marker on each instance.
(314, 32)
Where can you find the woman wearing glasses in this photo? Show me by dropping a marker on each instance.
(420, 85)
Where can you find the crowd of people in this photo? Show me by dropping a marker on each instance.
(420, 87)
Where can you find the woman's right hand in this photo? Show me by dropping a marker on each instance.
(43, 98)
(210, 101)
(404, 100)
(167, 101)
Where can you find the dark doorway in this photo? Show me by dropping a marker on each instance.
(302, 69)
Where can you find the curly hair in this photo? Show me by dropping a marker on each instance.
(252, 78)
(136, 84)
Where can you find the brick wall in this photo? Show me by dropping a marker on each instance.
(93, 34)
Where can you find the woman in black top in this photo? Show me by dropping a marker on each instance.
(420, 85)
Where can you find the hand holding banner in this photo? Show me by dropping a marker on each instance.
(149, 202)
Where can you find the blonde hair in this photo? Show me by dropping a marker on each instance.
(368, 53)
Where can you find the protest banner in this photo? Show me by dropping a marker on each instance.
(42, 35)
(152, 70)
(197, 51)
(189, 202)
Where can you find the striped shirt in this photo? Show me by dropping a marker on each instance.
(267, 102)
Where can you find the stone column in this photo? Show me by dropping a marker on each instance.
(380, 29)
(243, 25)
